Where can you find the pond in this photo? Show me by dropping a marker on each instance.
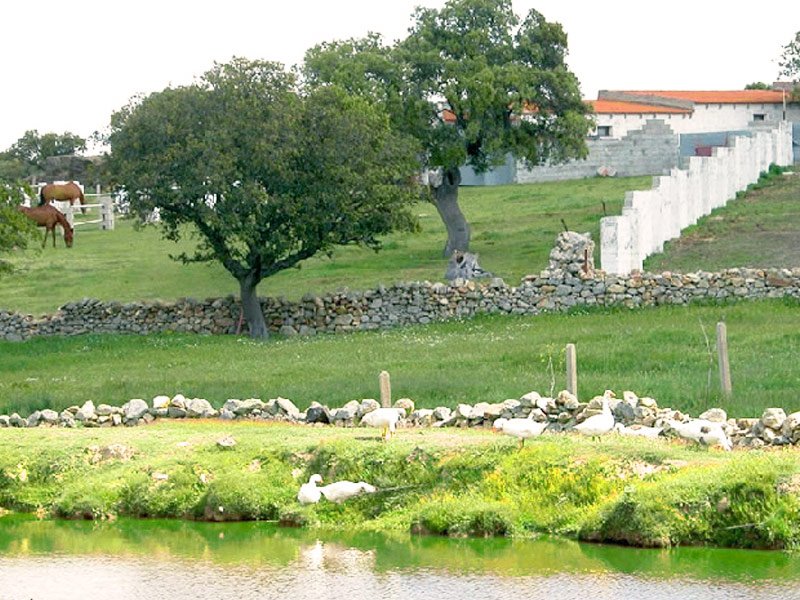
(160, 560)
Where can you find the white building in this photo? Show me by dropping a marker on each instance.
(619, 112)
(651, 132)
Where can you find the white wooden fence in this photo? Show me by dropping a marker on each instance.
(100, 212)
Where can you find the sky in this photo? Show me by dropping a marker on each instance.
(68, 65)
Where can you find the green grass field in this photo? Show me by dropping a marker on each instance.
(658, 352)
(654, 352)
(514, 228)
(447, 482)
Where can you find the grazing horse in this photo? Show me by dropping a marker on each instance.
(62, 191)
(49, 216)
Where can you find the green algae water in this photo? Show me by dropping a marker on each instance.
(160, 560)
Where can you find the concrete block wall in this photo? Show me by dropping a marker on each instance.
(651, 150)
(675, 201)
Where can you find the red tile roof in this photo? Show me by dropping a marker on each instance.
(718, 97)
(619, 107)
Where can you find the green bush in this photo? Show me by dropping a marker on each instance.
(467, 515)
(735, 504)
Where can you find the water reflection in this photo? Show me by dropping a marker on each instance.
(159, 560)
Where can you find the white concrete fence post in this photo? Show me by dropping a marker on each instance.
(675, 201)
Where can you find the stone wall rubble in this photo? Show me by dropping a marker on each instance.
(633, 415)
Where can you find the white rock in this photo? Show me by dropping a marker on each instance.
(161, 401)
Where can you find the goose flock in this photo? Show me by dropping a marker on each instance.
(703, 431)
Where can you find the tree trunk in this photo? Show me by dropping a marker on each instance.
(445, 196)
(251, 307)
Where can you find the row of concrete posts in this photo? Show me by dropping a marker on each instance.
(651, 217)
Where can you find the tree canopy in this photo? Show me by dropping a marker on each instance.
(758, 85)
(16, 230)
(789, 62)
(31, 150)
(472, 82)
(266, 176)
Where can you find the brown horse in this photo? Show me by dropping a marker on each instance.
(49, 216)
(62, 191)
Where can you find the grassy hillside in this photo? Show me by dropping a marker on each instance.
(513, 226)
(760, 228)
(655, 352)
(661, 353)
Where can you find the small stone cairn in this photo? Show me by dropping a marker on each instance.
(562, 413)
(573, 254)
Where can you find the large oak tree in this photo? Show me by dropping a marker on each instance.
(265, 175)
(473, 83)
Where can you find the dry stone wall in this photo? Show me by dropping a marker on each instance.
(409, 303)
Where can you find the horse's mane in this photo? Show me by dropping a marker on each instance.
(62, 220)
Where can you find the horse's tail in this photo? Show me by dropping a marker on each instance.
(83, 200)
(42, 200)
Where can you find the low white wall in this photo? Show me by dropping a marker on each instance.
(651, 217)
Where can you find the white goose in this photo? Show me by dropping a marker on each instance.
(309, 492)
(520, 428)
(384, 418)
(598, 425)
(702, 431)
(340, 491)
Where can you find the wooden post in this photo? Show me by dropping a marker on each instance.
(572, 370)
(724, 364)
(386, 389)
(106, 213)
(70, 214)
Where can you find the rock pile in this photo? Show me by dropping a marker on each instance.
(633, 415)
(572, 254)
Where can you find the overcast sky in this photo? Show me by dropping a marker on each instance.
(67, 65)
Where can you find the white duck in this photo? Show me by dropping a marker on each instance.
(384, 418)
(309, 492)
(598, 425)
(520, 428)
(703, 431)
(340, 491)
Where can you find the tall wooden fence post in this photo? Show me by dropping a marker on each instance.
(386, 389)
(69, 213)
(106, 213)
(724, 364)
(572, 370)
